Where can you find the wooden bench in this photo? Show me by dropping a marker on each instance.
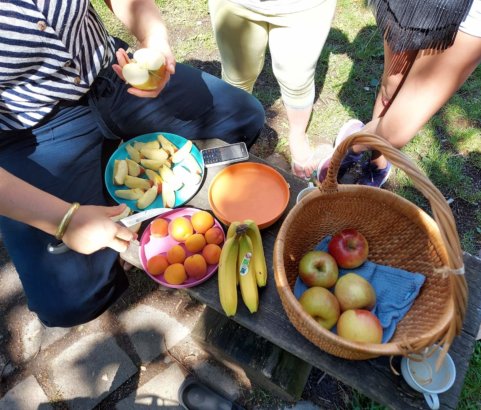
(372, 378)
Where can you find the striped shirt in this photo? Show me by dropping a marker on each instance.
(50, 51)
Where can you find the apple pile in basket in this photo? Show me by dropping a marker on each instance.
(344, 302)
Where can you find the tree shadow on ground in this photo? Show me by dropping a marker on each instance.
(358, 93)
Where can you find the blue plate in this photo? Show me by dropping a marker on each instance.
(182, 196)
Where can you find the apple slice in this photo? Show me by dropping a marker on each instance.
(154, 144)
(138, 145)
(153, 176)
(120, 171)
(152, 164)
(136, 182)
(135, 193)
(135, 228)
(134, 168)
(191, 164)
(186, 176)
(168, 175)
(168, 195)
(182, 152)
(148, 197)
(123, 214)
(133, 153)
(157, 154)
(166, 144)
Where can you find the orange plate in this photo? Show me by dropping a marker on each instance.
(249, 190)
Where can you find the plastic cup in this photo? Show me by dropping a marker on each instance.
(303, 192)
(422, 376)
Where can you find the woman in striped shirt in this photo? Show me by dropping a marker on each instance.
(60, 100)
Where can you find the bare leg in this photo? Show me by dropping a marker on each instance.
(298, 142)
(396, 67)
(433, 78)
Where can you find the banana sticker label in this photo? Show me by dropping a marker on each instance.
(244, 266)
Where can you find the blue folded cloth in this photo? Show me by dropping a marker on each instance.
(396, 290)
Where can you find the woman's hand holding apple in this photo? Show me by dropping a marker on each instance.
(148, 72)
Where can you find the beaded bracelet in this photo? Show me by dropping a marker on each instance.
(62, 227)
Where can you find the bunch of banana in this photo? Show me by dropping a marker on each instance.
(242, 262)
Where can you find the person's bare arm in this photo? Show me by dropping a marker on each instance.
(89, 230)
(144, 20)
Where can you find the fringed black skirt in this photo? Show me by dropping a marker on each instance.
(419, 24)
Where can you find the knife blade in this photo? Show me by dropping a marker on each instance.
(143, 216)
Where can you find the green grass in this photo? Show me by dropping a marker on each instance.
(471, 394)
(447, 149)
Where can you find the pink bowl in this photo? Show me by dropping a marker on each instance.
(151, 246)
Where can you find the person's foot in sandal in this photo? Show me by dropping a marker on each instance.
(306, 169)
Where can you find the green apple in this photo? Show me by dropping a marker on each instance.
(318, 268)
(359, 325)
(354, 292)
(322, 305)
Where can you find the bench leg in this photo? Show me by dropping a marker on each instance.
(266, 365)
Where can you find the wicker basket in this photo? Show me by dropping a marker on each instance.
(399, 234)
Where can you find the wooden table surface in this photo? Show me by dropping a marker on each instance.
(373, 378)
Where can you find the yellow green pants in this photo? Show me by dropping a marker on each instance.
(295, 43)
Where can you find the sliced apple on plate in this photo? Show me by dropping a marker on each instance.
(134, 168)
(121, 170)
(168, 195)
(152, 164)
(147, 198)
(166, 144)
(186, 176)
(182, 152)
(136, 182)
(133, 153)
(153, 153)
(191, 164)
(168, 175)
(153, 176)
(130, 194)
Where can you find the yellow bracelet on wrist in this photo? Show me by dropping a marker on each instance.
(63, 225)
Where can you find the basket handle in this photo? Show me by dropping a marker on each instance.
(441, 212)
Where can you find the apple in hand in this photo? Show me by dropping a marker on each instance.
(318, 268)
(349, 248)
(354, 292)
(322, 305)
(146, 70)
(359, 325)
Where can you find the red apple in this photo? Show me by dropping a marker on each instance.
(359, 325)
(318, 268)
(354, 292)
(349, 248)
(322, 305)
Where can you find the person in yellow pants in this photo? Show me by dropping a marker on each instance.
(295, 32)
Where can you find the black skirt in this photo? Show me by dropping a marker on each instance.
(419, 24)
